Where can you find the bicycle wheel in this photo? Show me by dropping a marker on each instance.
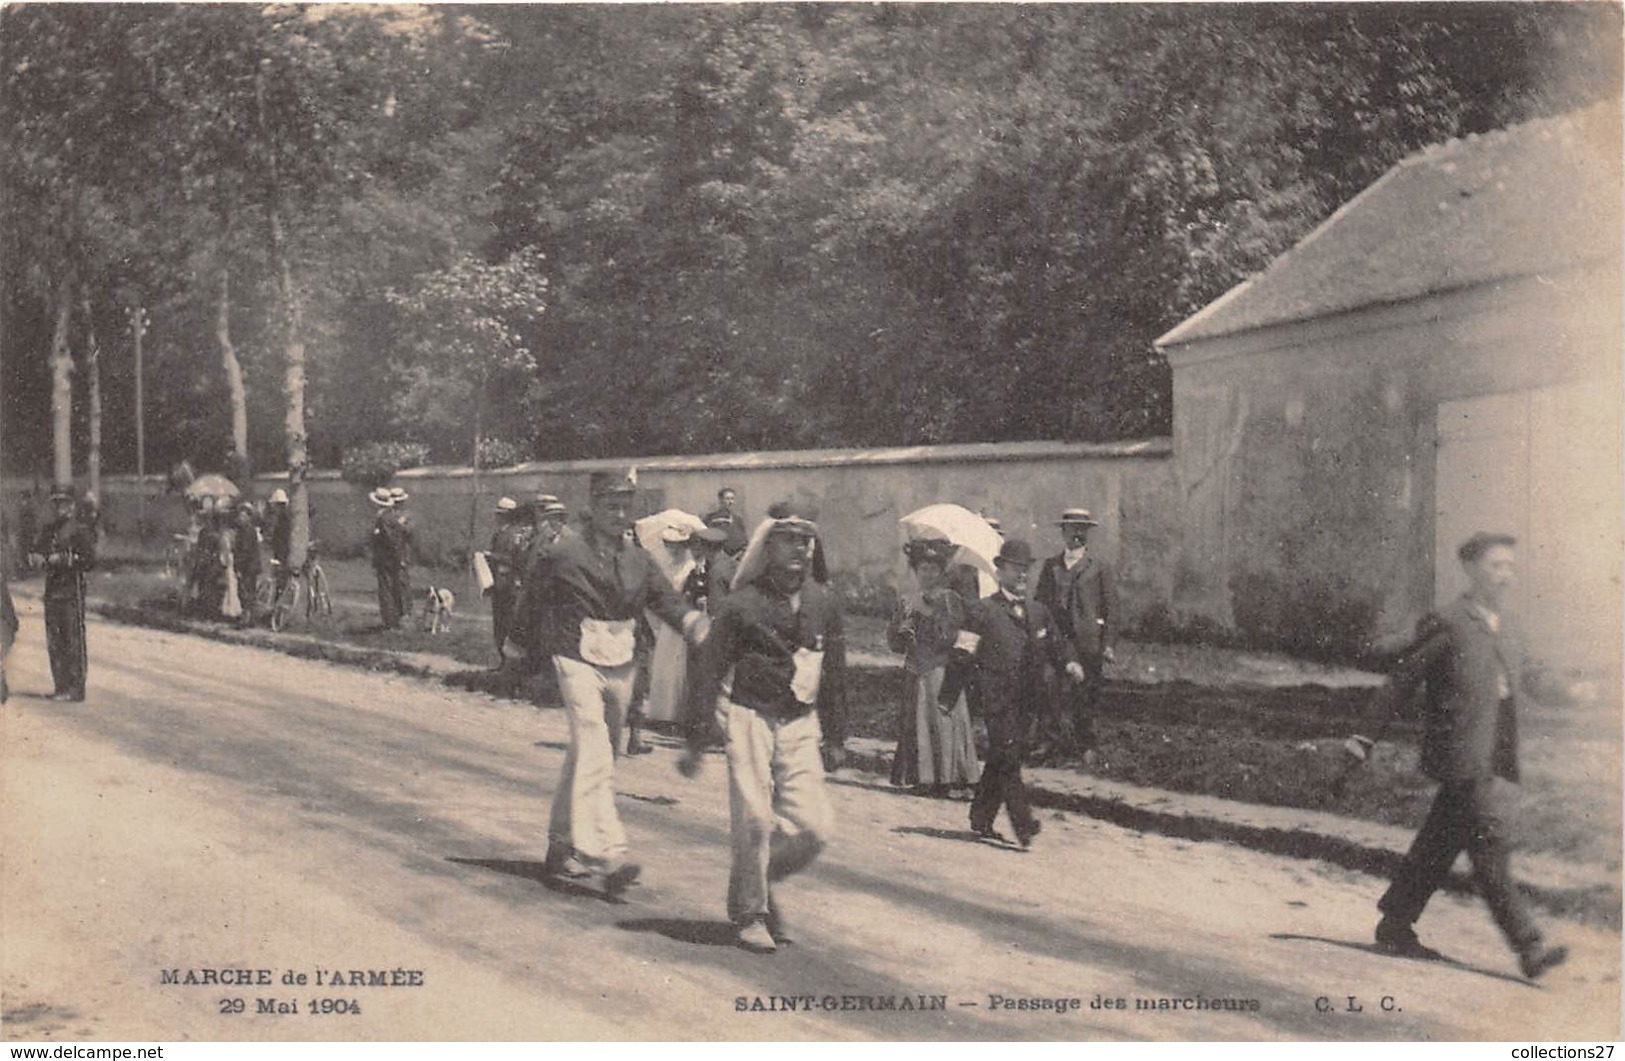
(264, 593)
(285, 605)
(321, 600)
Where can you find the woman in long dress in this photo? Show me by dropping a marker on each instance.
(936, 747)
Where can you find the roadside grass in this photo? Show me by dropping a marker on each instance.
(1250, 727)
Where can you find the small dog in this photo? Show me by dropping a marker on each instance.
(438, 605)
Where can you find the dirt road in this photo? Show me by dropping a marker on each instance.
(214, 807)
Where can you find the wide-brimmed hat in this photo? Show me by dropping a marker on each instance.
(1078, 515)
(715, 535)
(507, 504)
(1015, 551)
(676, 533)
(382, 497)
(397, 495)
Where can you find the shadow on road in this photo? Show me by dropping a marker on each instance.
(1371, 948)
(964, 835)
(704, 933)
(535, 871)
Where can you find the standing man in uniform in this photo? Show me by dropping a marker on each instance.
(781, 636)
(1001, 654)
(589, 589)
(510, 542)
(1469, 657)
(67, 548)
(1078, 590)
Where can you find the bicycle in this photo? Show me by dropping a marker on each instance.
(308, 584)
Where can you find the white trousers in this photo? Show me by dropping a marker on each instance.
(584, 819)
(781, 817)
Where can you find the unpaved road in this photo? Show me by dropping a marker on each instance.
(212, 806)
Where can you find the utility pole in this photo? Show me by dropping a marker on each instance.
(138, 329)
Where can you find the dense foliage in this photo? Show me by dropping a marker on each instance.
(608, 230)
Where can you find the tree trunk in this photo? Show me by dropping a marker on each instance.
(62, 388)
(93, 379)
(293, 378)
(474, 505)
(234, 369)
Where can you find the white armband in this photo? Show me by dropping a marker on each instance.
(966, 641)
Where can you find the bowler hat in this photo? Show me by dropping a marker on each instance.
(1078, 515)
(1015, 551)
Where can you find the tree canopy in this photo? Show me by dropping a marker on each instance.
(586, 230)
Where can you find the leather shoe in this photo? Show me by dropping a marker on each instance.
(638, 746)
(987, 832)
(1540, 958)
(1024, 837)
(756, 937)
(622, 877)
(1399, 939)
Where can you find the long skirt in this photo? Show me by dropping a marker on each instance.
(668, 674)
(935, 747)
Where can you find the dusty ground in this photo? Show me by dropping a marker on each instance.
(212, 805)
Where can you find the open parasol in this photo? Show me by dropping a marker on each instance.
(978, 543)
(211, 485)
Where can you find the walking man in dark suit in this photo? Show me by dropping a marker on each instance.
(67, 549)
(1077, 588)
(1474, 669)
(1001, 653)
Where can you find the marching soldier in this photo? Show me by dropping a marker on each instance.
(588, 590)
(1470, 661)
(67, 549)
(781, 635)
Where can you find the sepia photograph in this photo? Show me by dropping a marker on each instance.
(811, 522)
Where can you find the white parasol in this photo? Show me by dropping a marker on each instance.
(978, 543)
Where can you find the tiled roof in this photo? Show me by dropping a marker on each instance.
(1537, 197)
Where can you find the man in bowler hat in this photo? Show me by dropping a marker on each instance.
(1077, 588)
(1001, 653)
(1470, 661)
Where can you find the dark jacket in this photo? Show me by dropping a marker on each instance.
(391, 541)
(1083, 602)
(1470, 731)
(1005, 670)
(69, 548)
(756, 633)
(568, 581)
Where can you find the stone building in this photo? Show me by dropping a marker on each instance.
(1441, 355)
